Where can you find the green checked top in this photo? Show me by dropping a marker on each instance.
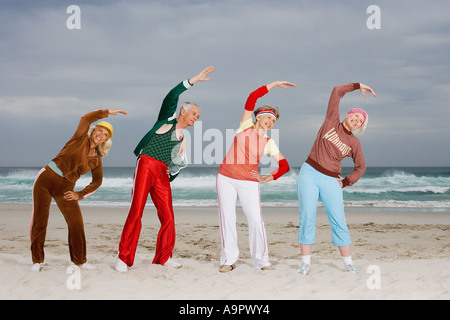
(167, 115)
(164, 147)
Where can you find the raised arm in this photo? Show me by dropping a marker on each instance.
(258, 93)
(170, 102)
(202, 76)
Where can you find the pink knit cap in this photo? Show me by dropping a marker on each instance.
(359, 111)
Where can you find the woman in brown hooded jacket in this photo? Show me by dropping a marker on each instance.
(82, 153)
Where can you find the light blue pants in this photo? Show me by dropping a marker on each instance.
(311, 185)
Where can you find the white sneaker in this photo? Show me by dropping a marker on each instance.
(172, 263)
(304, 269)
(36, 267)
(121, 266)
(87, 266)
(352, 269)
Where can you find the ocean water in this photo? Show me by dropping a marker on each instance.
(417, 189)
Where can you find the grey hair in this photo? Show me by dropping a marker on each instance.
(188, 105)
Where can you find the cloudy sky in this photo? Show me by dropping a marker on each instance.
(129, 53)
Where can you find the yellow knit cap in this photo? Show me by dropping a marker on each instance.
(106, 125)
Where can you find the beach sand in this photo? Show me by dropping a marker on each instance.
(401, 255)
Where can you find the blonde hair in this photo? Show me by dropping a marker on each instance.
(103, 148)
(363, 126)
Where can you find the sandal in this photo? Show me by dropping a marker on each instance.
(227, 268)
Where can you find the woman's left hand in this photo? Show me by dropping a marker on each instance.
(281, 84)
(365, 88)
(70, 196)
(116, 111)
(340, 182)
(260, 178)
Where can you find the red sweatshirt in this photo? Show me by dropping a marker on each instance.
(334, 142)
(248, 147)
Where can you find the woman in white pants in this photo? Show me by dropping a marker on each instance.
(238, 176)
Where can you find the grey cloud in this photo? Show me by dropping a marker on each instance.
(128, 54)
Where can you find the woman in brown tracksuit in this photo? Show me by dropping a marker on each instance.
(82, 153)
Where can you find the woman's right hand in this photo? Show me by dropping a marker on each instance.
(71, 196)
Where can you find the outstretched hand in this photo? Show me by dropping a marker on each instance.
(116, 111)
(281, 84)
(202, 76)
(365, 88)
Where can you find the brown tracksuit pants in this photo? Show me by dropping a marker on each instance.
(50, 185)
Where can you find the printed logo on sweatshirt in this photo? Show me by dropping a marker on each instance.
(333, 137)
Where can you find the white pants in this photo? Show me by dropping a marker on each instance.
(248, 191)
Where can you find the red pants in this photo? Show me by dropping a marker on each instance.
(150, 177)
